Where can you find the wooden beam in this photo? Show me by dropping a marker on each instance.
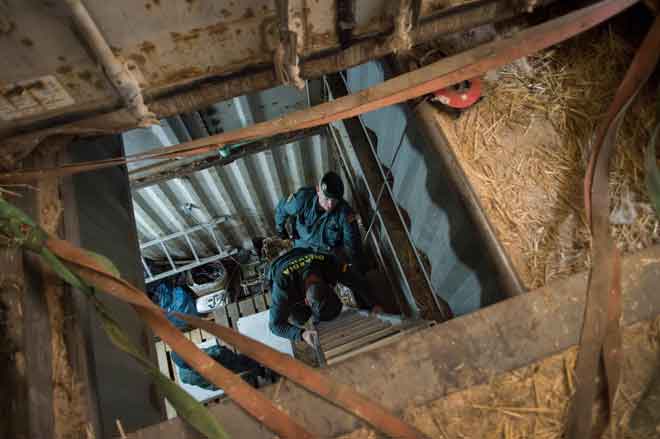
(260, 302)
(463, 352)
(220, 316)
(14, 404)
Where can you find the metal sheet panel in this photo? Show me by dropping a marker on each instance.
(439, 225)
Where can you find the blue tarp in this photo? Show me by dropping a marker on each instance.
(176, 299)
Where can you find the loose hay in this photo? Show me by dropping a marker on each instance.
(532, 402)
(525, 148)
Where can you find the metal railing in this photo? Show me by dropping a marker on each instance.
(185, 234)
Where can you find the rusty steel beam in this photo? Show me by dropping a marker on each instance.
(197, 95)
(418, 83)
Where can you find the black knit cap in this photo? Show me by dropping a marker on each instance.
(323, 301)
(332, 186)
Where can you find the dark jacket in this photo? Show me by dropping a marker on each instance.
(319, 230)
(287, 274)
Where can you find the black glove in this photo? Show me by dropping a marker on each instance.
(282, 234)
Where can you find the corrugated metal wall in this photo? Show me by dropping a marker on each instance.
(461, 272)
(244, 192)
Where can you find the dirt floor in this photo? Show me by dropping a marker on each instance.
(525, 147)
(531, 402)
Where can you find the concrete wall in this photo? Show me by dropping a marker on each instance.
(107, 226)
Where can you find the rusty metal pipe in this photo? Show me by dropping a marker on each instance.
(116, 71)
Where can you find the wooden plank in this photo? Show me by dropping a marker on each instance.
(220, 316)
(260, 302)
(359, 342)
(377, 344)
(232, 312)
(161, 356)
(39, 337)
(246, 307)
(441, 74)
(163, 365)
(196, 336)
(494, 340)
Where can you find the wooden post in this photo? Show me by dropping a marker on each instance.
(13, 404)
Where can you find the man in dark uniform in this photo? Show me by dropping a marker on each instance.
(301, 282)
(324, 222)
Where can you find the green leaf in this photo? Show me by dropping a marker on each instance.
(9, 211)
(63, 272)
(105, 263)
(653, 172)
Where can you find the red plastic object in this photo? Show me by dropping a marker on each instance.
(460, 95)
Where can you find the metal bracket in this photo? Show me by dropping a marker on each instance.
(198, 261)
